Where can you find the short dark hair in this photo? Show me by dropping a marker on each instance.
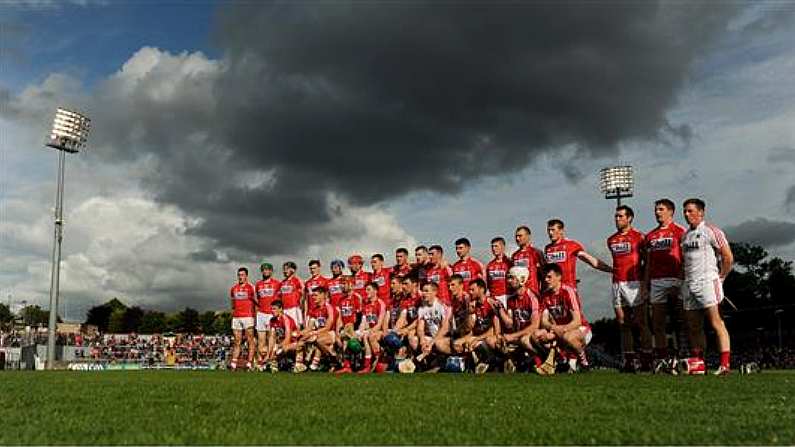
(373, 284)
(456, 277)
(277, 303)
(627, 210)
(499, 239)
(525, 228)
(378, 256)
(321, 289)
(694, 201)
(556, 222)
(290, 264)
(463, 241)
(668, 203)
(432, 284)
(242, 269)
(552, 267)
(479, 283)
(402, 250)
(314, 262)
(421, 247)
(410, 278)
(436, 248)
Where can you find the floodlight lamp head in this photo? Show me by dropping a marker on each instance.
(69, 131)
(616, 182)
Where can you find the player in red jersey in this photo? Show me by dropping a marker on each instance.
(243, 302)
(348, 308)
(315, 280)
(438, 272)
(402, 266)
(663, 274)
(520, 318)
(320, 330)
(372, 326)
(291, 293)
(283, 335)
(626, 246)
(410, 301)
(266, 290)
(468, 267)
(360, 277)
(334, 284)
(456, 329)
(565, 252)
(421, 261)
(381, 276)
(562, 320)
(497, 271)
(395, 296)
(528, 256)
(486, 328)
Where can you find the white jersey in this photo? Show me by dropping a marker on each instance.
(701, 254)
(433, 316)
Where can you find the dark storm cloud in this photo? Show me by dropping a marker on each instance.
(369, 101)
(764, 232)
(789, 199)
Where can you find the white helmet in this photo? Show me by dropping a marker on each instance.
(520, 273)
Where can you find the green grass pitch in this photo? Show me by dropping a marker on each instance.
(207, 407)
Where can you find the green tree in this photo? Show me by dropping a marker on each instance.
(206, 321)
(132, 319)
(116, 322)
(6, 316)
(152, 322)
(34, 315)
(190, 320)
(174, 322)
(223, 324)
(100, 315)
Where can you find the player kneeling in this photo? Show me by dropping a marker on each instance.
(519, 321)
(371, 328)
(319, 332)
(348, 344)
(283, 337)
(562, 321)
(482, 341)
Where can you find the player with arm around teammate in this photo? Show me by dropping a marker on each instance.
(283, 336)
(243, 303)
(320, 329)
(520, 319)
(371, 328)
(565, 252)
(266, 290)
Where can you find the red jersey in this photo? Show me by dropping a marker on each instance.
(372, 312)
(401, 271)
(360, 280)
(382, 278)
(665, 253)
(529, 258)
(562, 304)
(626, 250)
(309, 286)
(496, 275)
(335, 291)
(323, 314)
(484, 317)
(469, 269)
(290, 292)
(564, 253)
(441, 277)
(522, 307)
(348, 307)
(410, 304)
(282, 325)
(243, 300)
(266, 292)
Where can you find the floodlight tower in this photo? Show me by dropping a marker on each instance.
(617, 182)
(69, 134)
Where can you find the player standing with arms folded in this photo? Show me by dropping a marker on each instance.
(497, 271)
(243, 302)
(467, 267)
(266, 289)
(707, 259)
(626, 246)
(528, 256)
(663, 273)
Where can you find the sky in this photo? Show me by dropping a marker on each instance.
(231, 133)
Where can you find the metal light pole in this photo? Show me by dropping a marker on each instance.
(617, 182)
(69, 134)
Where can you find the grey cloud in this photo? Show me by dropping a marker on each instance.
(789, 200)
(781, 154)
(764, 232)
(370, 101)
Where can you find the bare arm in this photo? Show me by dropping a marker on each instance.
(726, 262)
(594, 262)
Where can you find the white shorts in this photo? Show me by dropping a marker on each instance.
(587, 335)
(661, 288)
(296, 314)
(626, 294)
(702, 294)
(242, 323)
(503, 299)
(263, 322)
